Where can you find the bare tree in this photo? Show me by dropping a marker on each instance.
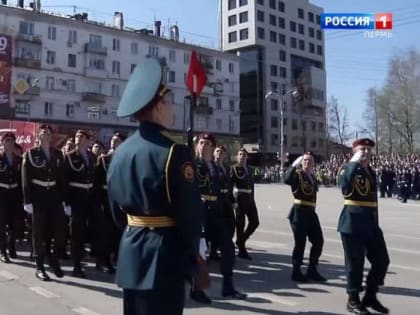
(338, 124)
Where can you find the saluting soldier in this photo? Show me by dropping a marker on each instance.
(10, 197)
(360, 232)
(303, 218)
(152, 180)
(79, 166)
(241, 177)
(43, 194)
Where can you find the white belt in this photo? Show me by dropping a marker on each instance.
(80, 185)
(44, 183)
(246, 191)
(224, 191)
(8, 186)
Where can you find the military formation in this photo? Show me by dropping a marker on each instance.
(162, 209)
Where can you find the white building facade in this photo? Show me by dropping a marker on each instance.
(281, 47)
(76, 71)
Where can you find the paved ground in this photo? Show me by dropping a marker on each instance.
(266, 279)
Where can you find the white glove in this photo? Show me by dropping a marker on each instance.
(235, 205)
(67, 209)
(203, 248)
(356, 157)
(298, 161)
(29, 208)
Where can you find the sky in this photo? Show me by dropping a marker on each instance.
(353, 63)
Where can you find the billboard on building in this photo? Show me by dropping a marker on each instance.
(5, 72)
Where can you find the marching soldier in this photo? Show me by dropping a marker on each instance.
(43, 194)
(10, 197)
(152, 181)
(303, 218)
(241, 177)
(79, 166)
(360, 232)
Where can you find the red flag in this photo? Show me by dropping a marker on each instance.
(196, 78)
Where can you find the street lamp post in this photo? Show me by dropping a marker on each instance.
(282, 95)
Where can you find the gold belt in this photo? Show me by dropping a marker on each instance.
(151, 222)
(304, 203)
(348, 202)
(209, 197)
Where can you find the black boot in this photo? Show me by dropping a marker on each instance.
(354, 305)
(298, 276)
(370, 300)
(40, 271)
(229, 291)
(314, 275)
(55, 266)
(78, 272)
(12, 249)
(4, 257)
(199, 296)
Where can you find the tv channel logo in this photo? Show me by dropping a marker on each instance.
(356, 21)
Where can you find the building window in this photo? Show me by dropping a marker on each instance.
(282, 55)
(172, 55)
(260, 2)
(292, 26)
(232, 20)
(243, 17)
(49, 83)
(22, 108)
(218, 64)
(282, 39)
(319, 50)
(311, 32)
(274, 122)
(154, 51)
(94, 114)
(281, 6)
(301, 29)
(261, 33)
(71, 60)
(273, 70)
(52, 32)
(321, 126)
(310, 17)
(273, 20)
(318, 35)
(272, 4)
(293, 42)
(171, 76)
(243, 34)
(115, 90)
(116, 67)
(132, 67)
(301, 44)
(97, 64)
(219, 104)
(282, 22)
(260, 16)
(72, 37)
(231, 4)
(48, 109)
(186, 58)
(285, 122)
(95, 40)
(231, 67)
(115, 44)
(303, 125)
(274, 86)
(313, 125)
(318, 19)
(232, 105)
(283, 72)
(274, 139)
(243, 2)
(70, 85)
(232, 37)
(273, 37)
(134, 48)
(26, 28)
(201, 123)
(274, 105)
(294, 124)
(51, 57)
(70, 110)
(311, 48)
(301, 14)
(219, 124)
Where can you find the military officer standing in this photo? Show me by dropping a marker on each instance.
(10, 196)
(360, 232)
(152, 180)
(79, 166)
(43, 194)
(241, 177)
(303, 218)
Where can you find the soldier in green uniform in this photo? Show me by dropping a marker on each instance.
(79, 166)
(43, 195)
(360, 232)
(303, 218)
(10, 196)
(152, 180)
(241, 177)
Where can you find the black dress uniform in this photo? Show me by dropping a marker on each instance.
(42, 182)
(152, 180)
(360, 232)
(304, 222)
(228, 200)
(241, 177)
(79, 180)
(10, 203)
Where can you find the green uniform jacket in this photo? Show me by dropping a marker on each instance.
(358, 185)
(150, 175)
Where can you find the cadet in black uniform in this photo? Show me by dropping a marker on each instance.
(360, 232)
(241, 177)
(79, 166)
(43, 194)
(10, 196)
(303, 218)
(152, 180)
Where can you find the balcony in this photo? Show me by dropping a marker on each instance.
(94, 49)
(34, 39)
(32, 91)
(28, 63)
(204, 110)
(93, 97)
(96, 73)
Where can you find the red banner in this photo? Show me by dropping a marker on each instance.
(24, 131)
(5, 69)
